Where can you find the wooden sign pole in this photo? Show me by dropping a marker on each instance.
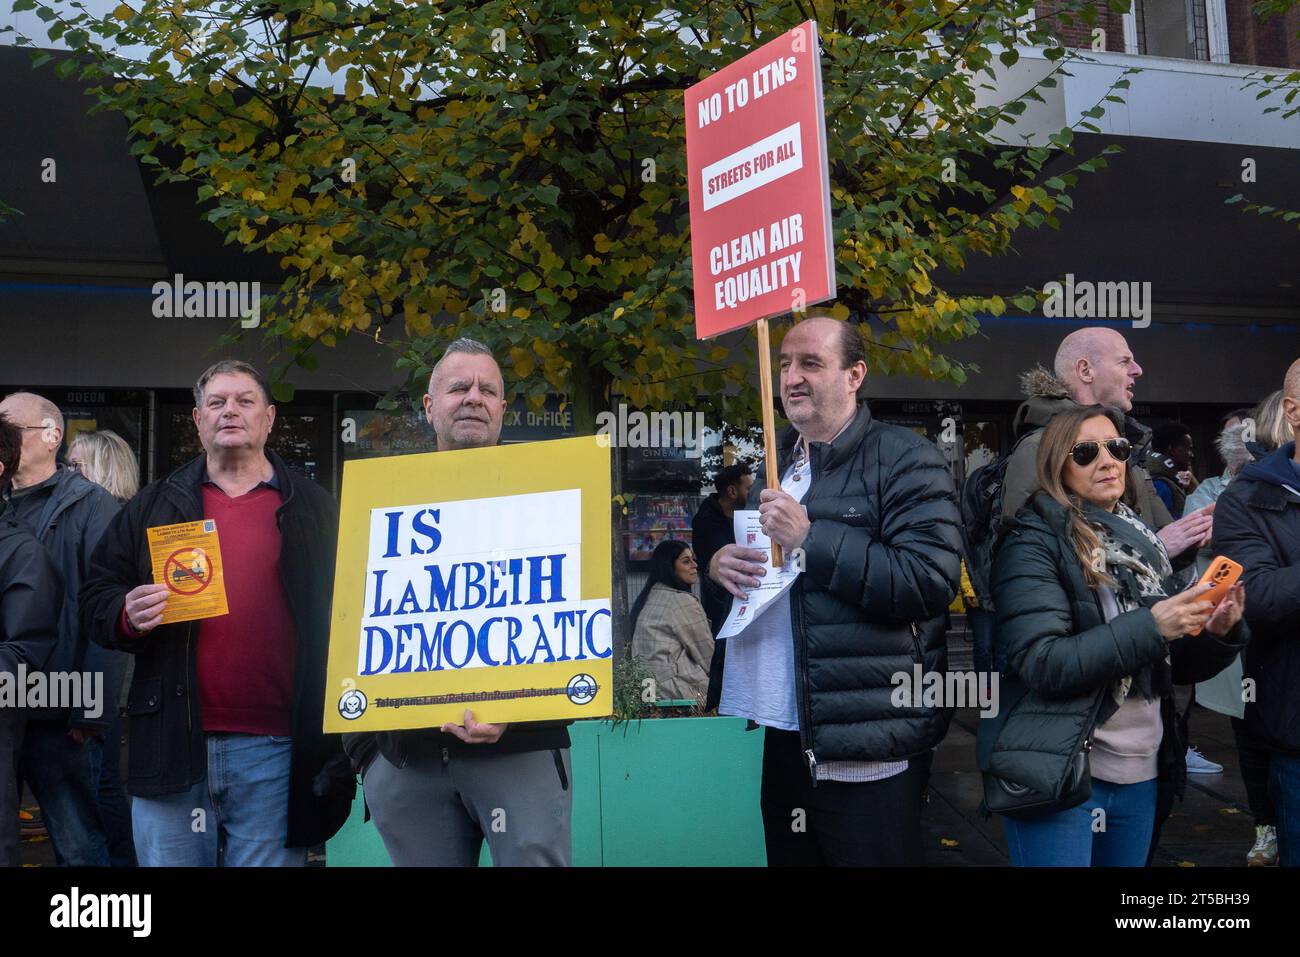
(769, 420)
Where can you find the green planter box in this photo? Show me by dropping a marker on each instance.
(678, 792)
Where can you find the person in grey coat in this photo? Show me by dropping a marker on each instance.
(670, 632)
(31, 592)
(63, 744)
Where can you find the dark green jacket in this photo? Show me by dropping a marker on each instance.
(1063, 657)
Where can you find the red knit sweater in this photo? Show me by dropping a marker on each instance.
(246, 658)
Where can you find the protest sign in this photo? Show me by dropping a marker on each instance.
(759, 186)
(760, 199)
(187, 559)
(473, 579)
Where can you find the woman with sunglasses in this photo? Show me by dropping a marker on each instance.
(1095, 635)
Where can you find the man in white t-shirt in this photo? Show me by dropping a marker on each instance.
(869, 512)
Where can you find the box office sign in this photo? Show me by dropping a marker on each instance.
(475, 579)
(759, 186)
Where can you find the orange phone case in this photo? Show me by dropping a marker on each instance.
(1223, 574)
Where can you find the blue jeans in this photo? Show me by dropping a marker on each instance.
(64, 778)
(110, 796)
(238, 817)
(1079, 837)
(1284, 789)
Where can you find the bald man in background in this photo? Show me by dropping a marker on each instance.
(1094, 365)
(62, 747)
(1258, 526)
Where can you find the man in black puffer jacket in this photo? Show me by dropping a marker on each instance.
(1257, 524)
(868, 510)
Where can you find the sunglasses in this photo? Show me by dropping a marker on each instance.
(1085, 453)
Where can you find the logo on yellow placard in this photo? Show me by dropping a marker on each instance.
(582, 689)
(353, 704)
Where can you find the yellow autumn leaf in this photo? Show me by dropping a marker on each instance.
(123, 12)
(603, 243)
(523, 362)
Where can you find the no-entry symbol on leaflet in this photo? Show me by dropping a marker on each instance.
(188, 571)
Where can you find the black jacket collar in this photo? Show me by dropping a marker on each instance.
(825, 454)
(186, 483)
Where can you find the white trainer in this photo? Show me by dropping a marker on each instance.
(1264, 853)
(1198, 763)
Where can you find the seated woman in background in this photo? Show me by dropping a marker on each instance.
(1096, 635)
(670, 632)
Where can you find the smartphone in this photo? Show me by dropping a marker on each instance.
(1222, 574)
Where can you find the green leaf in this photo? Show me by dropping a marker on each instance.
(282, 391)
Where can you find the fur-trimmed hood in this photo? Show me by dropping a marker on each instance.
(1232, 448)
(1046, 395)
(1040, 383)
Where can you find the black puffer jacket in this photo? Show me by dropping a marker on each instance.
(882, 564)
(1063, 657)
(1257, 524)
(168, 753)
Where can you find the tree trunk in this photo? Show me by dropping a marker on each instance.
(589, 396)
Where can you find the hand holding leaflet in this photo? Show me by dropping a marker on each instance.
(750, 534)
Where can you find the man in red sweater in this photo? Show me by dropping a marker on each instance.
(227, 761)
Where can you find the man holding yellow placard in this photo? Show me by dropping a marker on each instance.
(218, 579)
(436, 794)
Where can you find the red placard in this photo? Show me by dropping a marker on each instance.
(759, 186)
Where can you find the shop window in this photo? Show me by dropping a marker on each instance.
(301, 436)
(652, 519)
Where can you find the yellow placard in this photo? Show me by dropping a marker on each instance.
(474, 579)
(187, 559)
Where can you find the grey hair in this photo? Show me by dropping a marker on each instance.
(46, 409)
(230, 367)
(464, 345)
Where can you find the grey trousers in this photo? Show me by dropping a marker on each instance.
(11, 747)
(436, 811)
